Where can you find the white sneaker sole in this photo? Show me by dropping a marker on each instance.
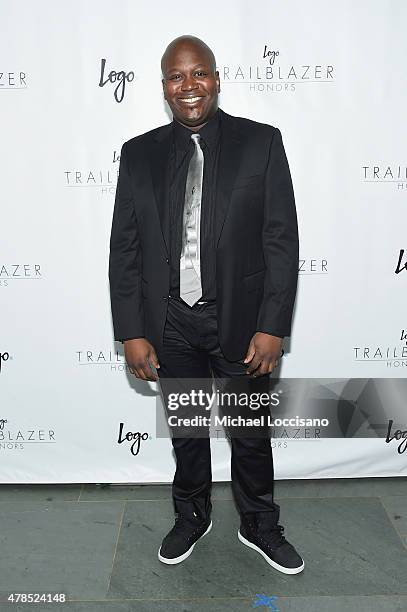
(186, 554)
(280, 568)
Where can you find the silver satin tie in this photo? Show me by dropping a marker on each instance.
(190, 261)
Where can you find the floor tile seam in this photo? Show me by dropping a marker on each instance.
(116, 545)
(243, 598)
(124, 499)
(401, 535)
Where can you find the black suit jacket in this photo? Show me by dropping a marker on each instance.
(256, 236)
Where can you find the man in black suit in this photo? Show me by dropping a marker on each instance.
(203, 276)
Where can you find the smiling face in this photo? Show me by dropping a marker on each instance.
(190, 81)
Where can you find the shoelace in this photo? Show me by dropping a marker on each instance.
(180, 516)
(271, 534)
(182, 522)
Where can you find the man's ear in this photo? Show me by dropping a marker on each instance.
(217, 80)
(164, 89)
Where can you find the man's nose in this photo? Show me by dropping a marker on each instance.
(189, 83)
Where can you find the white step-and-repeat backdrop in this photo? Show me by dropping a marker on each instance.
(77, 79)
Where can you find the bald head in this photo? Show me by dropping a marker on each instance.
(186, 41)
(190, 81)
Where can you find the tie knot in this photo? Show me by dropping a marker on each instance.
(196, 138)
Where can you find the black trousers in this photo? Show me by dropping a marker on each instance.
(191, 351)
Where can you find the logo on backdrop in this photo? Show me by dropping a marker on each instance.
(394, 174)
(401, 262)
(397, 436)
(13, 80)
(4, 356)
(133, 438)
(274, 73)
(16, 438)
(10, 273)
(116, 80)
(97, 358)
(313, 266)
(103, 178)
(393, 356)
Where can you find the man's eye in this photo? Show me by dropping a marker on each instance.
(174, 77)
(201, 73)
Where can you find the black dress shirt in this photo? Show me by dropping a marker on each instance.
(181, 153)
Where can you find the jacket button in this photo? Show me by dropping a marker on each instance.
(167, 260)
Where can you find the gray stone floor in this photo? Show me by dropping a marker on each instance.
(99, 546)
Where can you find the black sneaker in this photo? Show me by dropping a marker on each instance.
(265, 536)
(179, 543)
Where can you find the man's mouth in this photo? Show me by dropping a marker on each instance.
(190, 100)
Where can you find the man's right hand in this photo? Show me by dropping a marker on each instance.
(139, 352)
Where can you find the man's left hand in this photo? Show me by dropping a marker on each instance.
(263, 354)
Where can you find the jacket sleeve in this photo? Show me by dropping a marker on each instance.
(280, 244)
(125, 260)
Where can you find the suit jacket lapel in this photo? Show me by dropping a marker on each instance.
(229, 164)
(159, 165)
